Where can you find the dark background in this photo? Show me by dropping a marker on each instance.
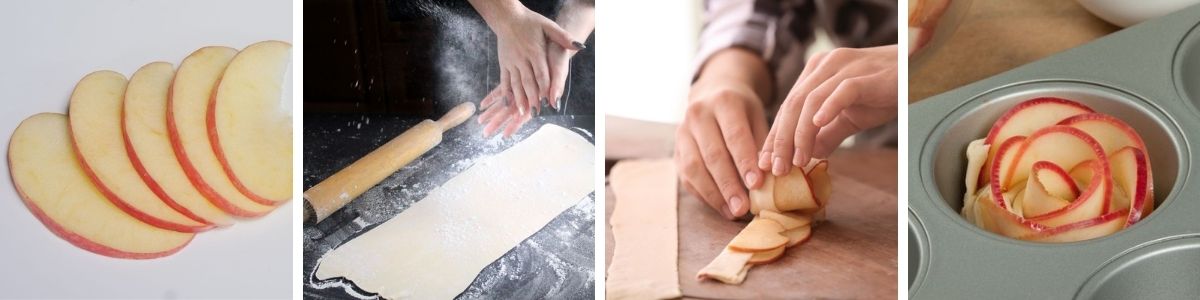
(413, 57)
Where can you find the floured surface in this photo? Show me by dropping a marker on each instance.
(435, 248)
(850, 256)
(644, 263)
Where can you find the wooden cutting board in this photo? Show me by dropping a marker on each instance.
(853, 255)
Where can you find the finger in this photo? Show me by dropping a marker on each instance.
(516, 124)
(782, 148)
(698, 180)
(765, 154)
(846, 94)
(559, 68)
(497, 118)
(559, 36)
(529, 84)
(832, 135)
(541, 73)
(491, 98)
(492, 112)
(717, 159)
(739, 138)
(516, 90)
(805, 130)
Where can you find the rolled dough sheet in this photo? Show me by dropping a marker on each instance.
(435, 248)
(644, 227)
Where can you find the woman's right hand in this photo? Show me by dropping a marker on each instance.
(521, 36)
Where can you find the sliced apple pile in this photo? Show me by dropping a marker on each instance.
(785, 210)
(1054, 170)
(137, 168)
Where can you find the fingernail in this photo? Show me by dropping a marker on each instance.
(779, 166)
(521, 109)
(735, 205)
(751, 178)
(578, 45)
(558, 106)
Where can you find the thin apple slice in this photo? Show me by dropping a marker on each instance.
(788, 220)
(760, 235)
(1091, 203)
(95, 122)
(1048, 189)
(1027, 117)
(822, 185)
(766, 257)
(794, 191)
(187, 108)
(1131, 172)
(1059, 145)
(798, 235)
(763, 198)
(250, 122)
(1083, 230)
(149, 148)
(52, 185)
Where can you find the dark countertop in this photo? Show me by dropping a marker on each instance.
(542, 266)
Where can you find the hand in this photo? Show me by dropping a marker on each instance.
(838, 94)
(715, 145)
(499, 110)
(521, 36)
(578, 17)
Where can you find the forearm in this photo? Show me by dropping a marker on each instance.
(494, 12)
(739, 66)
(578, 17)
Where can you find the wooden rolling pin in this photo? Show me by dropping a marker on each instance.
(329, 195)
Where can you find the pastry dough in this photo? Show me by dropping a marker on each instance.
(436, 248)
(645, 231)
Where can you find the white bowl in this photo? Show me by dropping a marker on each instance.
(1127, 13)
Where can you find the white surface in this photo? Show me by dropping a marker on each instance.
(1127, 13)
(49, 46)
(434, 249)
(644, 60)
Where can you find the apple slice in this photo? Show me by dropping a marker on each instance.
(187, 107)
(1131, 172)
(1027, 117)
(1091, 203)
(1114, 134)
(763, 198)
(1048, 189)
(1083, 230)
(798, 235)
(794, 191)
(766, 257)
(250, 122)
(95, 122)
(760, 235)
(145, 124)
(729, 267)
(788, 220)
(50, 181)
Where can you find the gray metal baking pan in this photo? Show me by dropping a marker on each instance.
(1147, 75)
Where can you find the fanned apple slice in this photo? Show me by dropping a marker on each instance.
(788, 220)
(250, 122)
(95, 122)
(1027, 117)
(187, 109)
(822, 187)
(145, 124)
(1131, 172)
(760, 235)
(49, 180)
(798, 235)
(1092, 202)
(766, 257)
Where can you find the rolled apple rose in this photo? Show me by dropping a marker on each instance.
(1054, 170)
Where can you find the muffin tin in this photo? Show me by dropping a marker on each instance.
(1148, 76)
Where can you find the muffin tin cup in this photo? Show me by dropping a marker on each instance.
(1147, 76)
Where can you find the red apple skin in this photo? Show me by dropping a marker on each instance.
(1058, 171)
(1099, 220)
(994, 132)
(1101, 182)
(193, 175)
(1141, 194)
(153, 184)
(1137, 141)
(80, 241)
(112, 197)
(1011, 144)
(211, 124)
